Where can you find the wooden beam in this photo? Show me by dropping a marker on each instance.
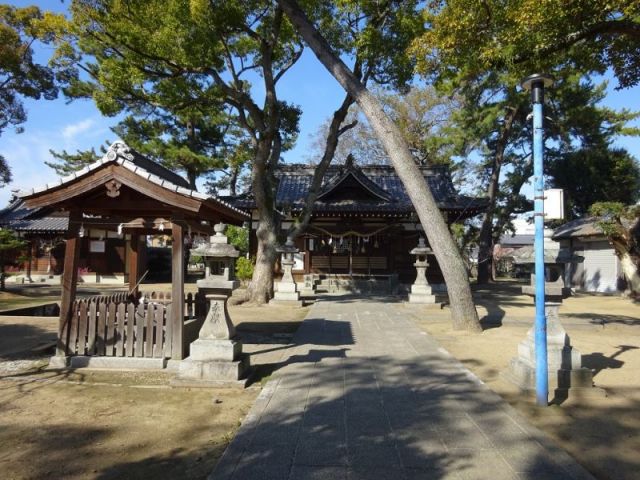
(177, 291)
(69, 281)
(134, 262)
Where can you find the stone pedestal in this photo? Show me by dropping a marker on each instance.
(421, 294)
(566, 375)
(215, 357)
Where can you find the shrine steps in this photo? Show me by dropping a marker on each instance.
(358, 284)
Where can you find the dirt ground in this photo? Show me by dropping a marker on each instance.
(103, 425)
(115, 425)
(602, 433)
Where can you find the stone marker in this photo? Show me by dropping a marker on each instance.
(309, 286)
(216, 356)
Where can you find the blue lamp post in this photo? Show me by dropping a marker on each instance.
(536, 84)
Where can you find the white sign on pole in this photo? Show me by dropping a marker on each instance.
(554, 204)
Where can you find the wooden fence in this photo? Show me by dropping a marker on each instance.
(124, 326)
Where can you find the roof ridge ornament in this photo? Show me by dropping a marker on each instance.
(349, 162)
(119, 149)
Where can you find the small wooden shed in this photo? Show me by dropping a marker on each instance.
(127, 193)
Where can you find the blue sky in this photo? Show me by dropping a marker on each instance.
(60, 125)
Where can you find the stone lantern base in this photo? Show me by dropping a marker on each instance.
(567, 378)
(286, 293)
(214, 362)
(421, 294)
(215, 358)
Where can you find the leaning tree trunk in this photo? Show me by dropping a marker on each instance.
(464, 315)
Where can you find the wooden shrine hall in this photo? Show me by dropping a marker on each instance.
(363, 223)
(133, 196)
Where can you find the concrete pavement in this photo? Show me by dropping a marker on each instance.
(365, 394)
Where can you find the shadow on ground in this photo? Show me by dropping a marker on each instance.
(339, 417)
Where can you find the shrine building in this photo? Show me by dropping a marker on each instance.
(363, 223)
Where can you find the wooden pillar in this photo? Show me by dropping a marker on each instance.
(134, 263)
(69, 281)
(307, 255)
(32, 255)
(177, 291)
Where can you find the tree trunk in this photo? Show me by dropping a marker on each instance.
(464, 315)
(260, 289)
(629, 267)
(192, 176)
(333, 137)
(233, 181)
(486, 267)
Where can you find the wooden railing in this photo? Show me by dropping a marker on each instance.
(124, 326)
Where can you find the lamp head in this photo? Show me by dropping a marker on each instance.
(536, 83)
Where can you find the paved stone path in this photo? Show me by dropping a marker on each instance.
(364, 394)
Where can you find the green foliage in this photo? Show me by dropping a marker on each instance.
(614, 217)
(21, 76)
(66, 163)
(591, 175)
(239, 238)
(244, 268)
(472, 37)
(9, 243)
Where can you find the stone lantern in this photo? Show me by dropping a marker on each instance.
(286, 291)
(421, 290)
(565, 370)
(216, 356)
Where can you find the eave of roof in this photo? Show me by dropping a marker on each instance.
(119, 153)
(581, 227)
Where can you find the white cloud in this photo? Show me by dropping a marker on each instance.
(26, 156)
(72, 130)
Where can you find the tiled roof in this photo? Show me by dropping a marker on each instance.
(518, 239)
(295, 181)
(121, 154)
(582, 227)
(22, 219)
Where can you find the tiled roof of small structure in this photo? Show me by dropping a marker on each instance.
(22, 219)
(122, 154)
(381, 180)
(582, 227)
(518, 239)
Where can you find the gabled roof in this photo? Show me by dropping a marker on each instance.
(351, 173)
(119, 154)
(19, 218)
(387, 194)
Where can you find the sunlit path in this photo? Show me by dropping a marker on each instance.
(364, 394)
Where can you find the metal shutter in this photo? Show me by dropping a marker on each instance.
(600, 268)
